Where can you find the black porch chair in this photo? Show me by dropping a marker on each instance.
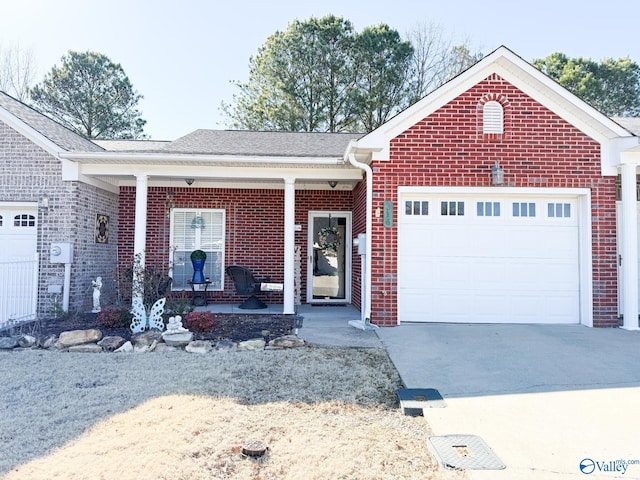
(247, 285)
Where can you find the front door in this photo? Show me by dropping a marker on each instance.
(329, 259)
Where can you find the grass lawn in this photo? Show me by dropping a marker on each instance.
(325, 413)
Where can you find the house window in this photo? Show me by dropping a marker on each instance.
(492, 117)
(416, 208)
(24, 220)
(559, 210)
(524, 209)
(488, 209)
(197, 229)
(452, 208)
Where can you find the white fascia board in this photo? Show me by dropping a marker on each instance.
(228, 172)
(504, 63)
(630, 155)
(168, 158)
(30, 133)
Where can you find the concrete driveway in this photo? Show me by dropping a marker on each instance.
(546, 399)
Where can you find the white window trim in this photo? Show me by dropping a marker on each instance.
(223, 248)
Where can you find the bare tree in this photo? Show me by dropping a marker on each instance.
(436, 59)
(17, 71)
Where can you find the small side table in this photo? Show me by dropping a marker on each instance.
(199, 297)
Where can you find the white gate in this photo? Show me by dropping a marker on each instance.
(19, 290)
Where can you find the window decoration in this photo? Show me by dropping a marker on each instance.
(197, 222)
(102, 229)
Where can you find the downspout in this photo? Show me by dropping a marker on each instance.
(365, 323)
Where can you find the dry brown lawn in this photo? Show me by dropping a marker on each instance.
(325, 413)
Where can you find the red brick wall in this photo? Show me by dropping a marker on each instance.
(537, 149)
(254, 227)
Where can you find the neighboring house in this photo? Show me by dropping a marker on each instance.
(499, 197)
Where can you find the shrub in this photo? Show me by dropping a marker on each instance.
(199, 321)
(114, 317)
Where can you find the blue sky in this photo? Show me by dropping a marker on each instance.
(182, 55)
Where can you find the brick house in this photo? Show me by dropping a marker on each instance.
(499, 197)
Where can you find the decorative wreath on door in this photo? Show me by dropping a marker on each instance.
(329, 238)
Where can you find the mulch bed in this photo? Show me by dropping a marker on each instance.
(236, 327)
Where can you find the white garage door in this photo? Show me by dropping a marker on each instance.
(18, 231)
(488, 259)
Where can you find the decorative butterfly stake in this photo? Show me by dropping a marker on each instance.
(143, 321)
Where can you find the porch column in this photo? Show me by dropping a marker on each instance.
(140, 232)
(289, 244)
(629, 247)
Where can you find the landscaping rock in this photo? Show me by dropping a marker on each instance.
(79, 337)
(85, 348)
(179, 339)
(111, 343)
(146, 338)
(287, 341)
(125, 348)
(8, 343)
(225, 345)
(163, 348)
(199, 346)
(140, 348)
(254, 344)
(27, 341)
(47, 341)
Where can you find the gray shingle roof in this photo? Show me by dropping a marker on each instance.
(251, 143)
(61, 136)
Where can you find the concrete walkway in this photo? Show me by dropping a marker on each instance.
(546, 399)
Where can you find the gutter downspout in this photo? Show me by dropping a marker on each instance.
(365, 322)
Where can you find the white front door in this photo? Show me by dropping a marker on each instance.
(488, 258)
(329, 258)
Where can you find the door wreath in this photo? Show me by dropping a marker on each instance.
(328, 239)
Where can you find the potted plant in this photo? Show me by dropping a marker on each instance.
(198, 257)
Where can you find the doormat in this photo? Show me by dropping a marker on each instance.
(413, 400)
(464, 452)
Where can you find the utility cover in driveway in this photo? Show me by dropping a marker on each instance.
(464, 452)
(413, 400)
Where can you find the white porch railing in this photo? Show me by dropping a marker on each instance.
(18, 290)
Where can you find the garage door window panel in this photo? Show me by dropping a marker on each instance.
(416, 207)
(488, 209)
(524, 209)
(452, 209)
(559, 210)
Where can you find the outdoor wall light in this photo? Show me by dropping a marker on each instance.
(189, 181)
(497, 174)
(333, 183)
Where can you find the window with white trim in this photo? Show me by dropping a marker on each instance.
(492, 117)
(488, 209)
(416, 207)
(559, 210)
(524, 209)
(197, 229)
(24, 220)
(452, 209)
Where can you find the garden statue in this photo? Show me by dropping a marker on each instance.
(97, 285)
